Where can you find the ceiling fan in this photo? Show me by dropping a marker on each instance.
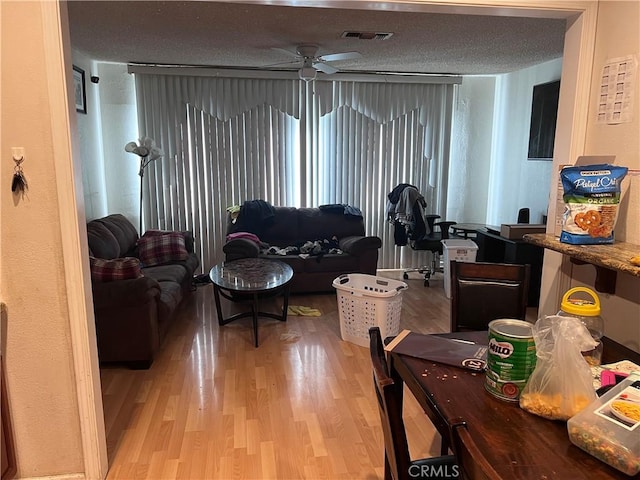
(312, 62)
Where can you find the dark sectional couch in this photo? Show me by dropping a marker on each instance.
(280, 227)
(133, 315)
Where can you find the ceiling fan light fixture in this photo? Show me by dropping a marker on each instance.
(307, 74)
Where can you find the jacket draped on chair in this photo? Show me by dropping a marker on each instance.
(405, 211)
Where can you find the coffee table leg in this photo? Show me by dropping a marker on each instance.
(216, 295)
(254, 308)
(285, 306)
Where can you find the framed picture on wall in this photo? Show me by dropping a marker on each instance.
(544, 113)
(79, 90)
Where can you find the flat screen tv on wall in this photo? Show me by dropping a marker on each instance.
(544, 111)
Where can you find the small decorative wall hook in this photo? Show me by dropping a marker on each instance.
(17, 153)
(19, 183)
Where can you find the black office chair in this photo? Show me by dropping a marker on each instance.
(397, 461)
(430, 242)
(482, 292)
(523, 215)
(412, 226)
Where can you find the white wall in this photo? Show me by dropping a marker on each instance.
(119, 127)
(490, 178)
(109, 174)
(90, 143)
(516, 182)
(471, 150)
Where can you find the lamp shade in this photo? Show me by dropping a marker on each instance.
(146, 148)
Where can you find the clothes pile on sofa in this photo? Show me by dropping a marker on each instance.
(316, 248)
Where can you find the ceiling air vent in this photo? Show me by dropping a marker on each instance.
(367, 35)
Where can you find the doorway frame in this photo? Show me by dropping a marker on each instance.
(577, 68)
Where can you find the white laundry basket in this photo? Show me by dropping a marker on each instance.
(366, 301)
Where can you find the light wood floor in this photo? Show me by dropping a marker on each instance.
(300, 406)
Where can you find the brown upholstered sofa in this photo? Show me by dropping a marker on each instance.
(333, 235)
(133, 314)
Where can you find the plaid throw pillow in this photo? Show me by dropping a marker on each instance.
(117, 269)
(157, 249)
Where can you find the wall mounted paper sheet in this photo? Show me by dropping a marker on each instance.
(615, 102)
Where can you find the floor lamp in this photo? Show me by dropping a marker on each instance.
(148, 152)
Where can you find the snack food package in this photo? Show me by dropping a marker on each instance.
(609, 428)
(591, 197)
(561, 384)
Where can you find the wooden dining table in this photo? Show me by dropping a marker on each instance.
(500, 439)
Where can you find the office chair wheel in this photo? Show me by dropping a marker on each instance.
(427, 276)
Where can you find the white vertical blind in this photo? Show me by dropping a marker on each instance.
(374, 136)
(249, 156)
(227, 140)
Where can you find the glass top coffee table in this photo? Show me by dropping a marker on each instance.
(248, 280)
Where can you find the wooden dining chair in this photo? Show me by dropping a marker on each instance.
(397, 462)
(482, 292)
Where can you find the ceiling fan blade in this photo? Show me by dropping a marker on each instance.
(334, 57)
(323, 67)
(286, 52)
(281, 64)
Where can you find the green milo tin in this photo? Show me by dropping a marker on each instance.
(511, 358)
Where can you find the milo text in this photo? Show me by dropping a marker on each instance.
(501, 349)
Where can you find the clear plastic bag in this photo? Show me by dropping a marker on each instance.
(561, 385)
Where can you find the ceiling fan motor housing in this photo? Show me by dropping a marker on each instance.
(307, 50)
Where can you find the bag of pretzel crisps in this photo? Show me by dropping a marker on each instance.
(591, 197)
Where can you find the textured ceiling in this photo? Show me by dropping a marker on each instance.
(240, 35)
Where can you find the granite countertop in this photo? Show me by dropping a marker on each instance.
(615, 256)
